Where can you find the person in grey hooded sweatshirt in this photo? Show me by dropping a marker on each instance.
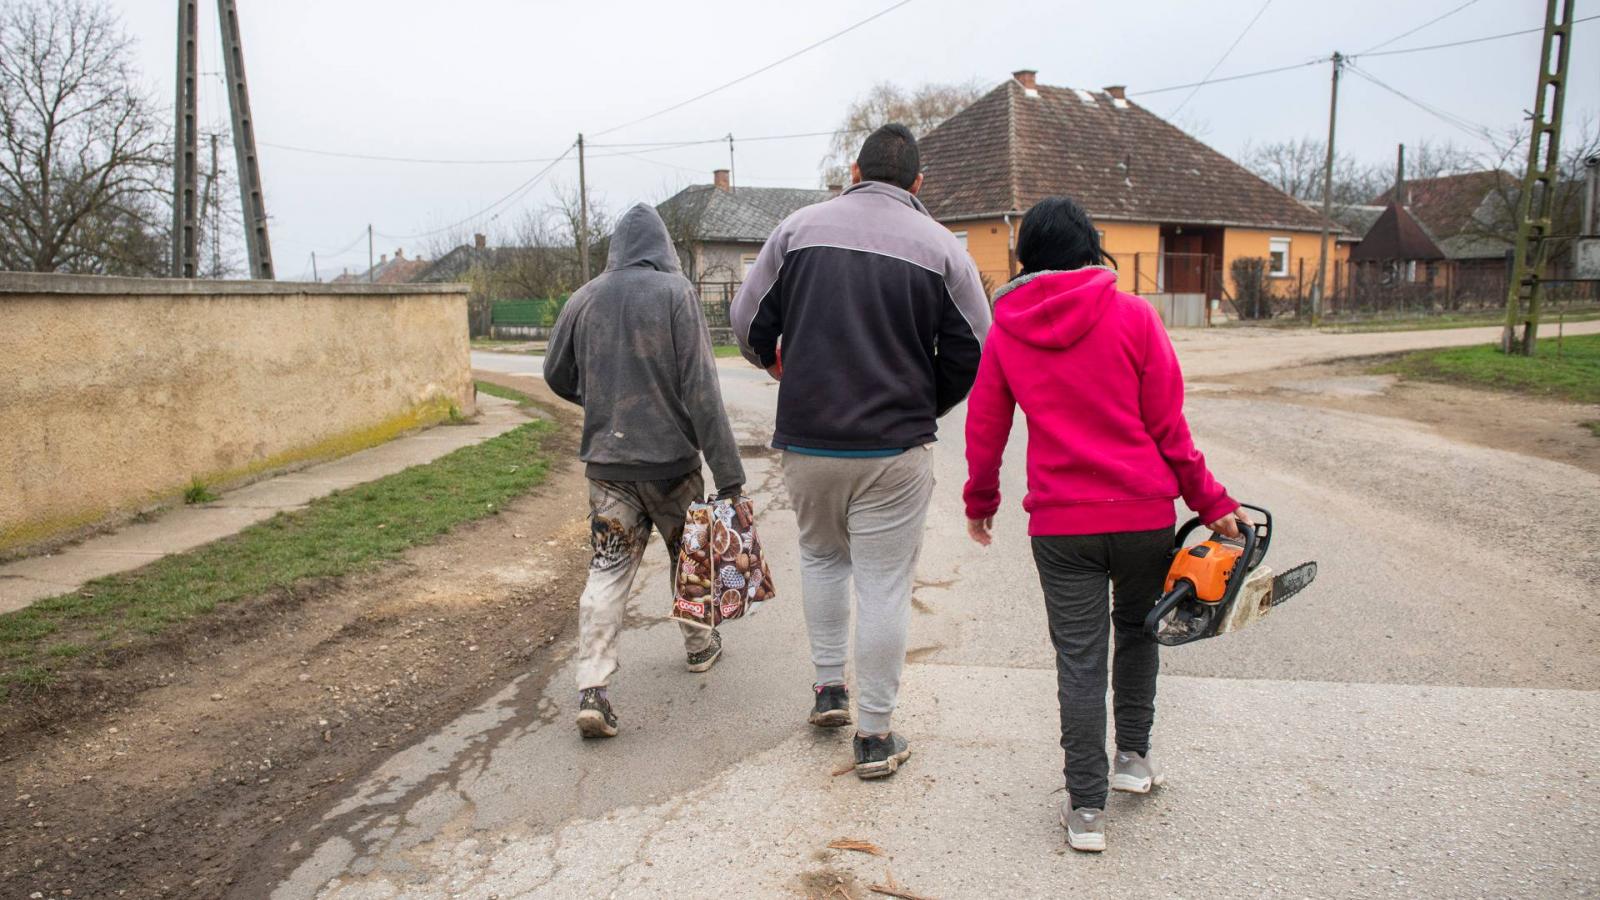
(631, 347)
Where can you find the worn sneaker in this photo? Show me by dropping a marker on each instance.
(1135, 773)
(1086, 827)
(595, 718)
(832, 706)
(878, 756)
(705, 659)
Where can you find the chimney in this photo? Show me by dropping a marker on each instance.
(399, 253)
(719, 178)
(1026, 78)
(383, 258)
(1401, 192)
(480, 241)
(835, 189)
(1117, 91)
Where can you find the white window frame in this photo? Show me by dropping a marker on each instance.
(746, 263)
(1274, 245)
(962, 237)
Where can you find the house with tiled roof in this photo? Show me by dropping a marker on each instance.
(396, 270)
(719, 228)
(1174, 212)
(1470, 214)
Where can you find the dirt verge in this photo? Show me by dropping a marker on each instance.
(194, 760)
(1532, 426)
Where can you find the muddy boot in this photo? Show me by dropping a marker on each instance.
(595, 718)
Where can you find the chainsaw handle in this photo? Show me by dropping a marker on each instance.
(1261, 524)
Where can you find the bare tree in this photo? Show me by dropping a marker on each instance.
(1496, 217)
(921, 109)
(80, 153)
(1295, 167)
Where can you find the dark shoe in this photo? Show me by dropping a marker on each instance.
(705, 659)
(595, 718)
(832, 707)
(878, 756)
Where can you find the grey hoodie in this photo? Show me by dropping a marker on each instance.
(631, 347)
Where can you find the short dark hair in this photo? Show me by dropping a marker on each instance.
(1057, 235)
(890, 155)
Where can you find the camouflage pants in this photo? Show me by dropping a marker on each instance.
(621, 515)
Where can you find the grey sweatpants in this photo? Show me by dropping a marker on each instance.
(860, 519)
(1076, 571)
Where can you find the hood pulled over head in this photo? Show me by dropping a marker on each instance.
(641, 239)
(1055, 309)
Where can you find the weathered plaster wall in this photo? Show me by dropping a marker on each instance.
(116, 393)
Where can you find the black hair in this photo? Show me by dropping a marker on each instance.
(890, 155)
(1057, 235)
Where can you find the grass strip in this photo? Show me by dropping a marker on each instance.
(341, 533)
(1573, 375)
(504, 393)
(725, 351)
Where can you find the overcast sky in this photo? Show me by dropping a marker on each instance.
(500, 79)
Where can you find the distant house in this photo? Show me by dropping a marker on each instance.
(1174, 212)
(515, 290)
(398, 270)
(719, 228)
(1469, 215)
(1399, 249)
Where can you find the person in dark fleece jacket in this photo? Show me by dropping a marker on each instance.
(631, 347)
(1108, 452)
(872, 316)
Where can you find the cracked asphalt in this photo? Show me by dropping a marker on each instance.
(1419, 723)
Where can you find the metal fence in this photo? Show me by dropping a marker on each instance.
(1390, 289)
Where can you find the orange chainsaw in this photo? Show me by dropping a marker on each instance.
(1219, 584)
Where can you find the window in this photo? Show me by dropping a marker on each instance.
(747, 263)
(961, 237)
(1278, 256)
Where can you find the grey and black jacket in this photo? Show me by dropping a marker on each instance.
(631, 347)
(881, 316)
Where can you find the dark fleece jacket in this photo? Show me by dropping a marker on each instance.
(631, 347)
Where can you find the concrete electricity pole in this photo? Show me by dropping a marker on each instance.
(583, 213)
(1327, 196)
(185, 228)
(1536, 202)
(244, 145)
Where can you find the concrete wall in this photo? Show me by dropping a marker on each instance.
(115, 393)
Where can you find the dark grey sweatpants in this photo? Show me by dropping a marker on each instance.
(1076, 572)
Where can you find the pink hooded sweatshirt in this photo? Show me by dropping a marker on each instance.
(1096, 375)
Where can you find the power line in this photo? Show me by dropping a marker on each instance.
(410, 159)
(1220, 60)
(514, 194)
(748, 75)
(1256, 74)
(1431, 21)
(1466, 125)
(1492, 37)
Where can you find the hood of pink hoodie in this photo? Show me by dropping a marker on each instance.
(1054, 309)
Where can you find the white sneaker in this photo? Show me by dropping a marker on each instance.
(1086, 827)
(1135, 773)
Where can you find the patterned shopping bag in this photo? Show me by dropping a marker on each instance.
(722, 572)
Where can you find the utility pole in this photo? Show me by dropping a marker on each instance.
(731, 182)
(583, 213)
(244, 145)
(212, 216)
(314, 275)
(1399, 196)
(1540, 178)
(369, 253)
(185, 230)
(1327, 196)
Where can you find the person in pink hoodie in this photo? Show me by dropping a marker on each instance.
(1108, 452)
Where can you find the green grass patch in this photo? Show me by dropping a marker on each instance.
(1594, 427)
(341, 533)
(1547, 323)
(504, 393)
(1573, 375)
(724, 351)
(197, 492)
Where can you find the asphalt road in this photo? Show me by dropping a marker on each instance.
(1419, 723)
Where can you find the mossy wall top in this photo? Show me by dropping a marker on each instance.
(117, 393)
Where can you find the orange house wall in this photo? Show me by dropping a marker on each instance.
(988, 243)
(1304, 249)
